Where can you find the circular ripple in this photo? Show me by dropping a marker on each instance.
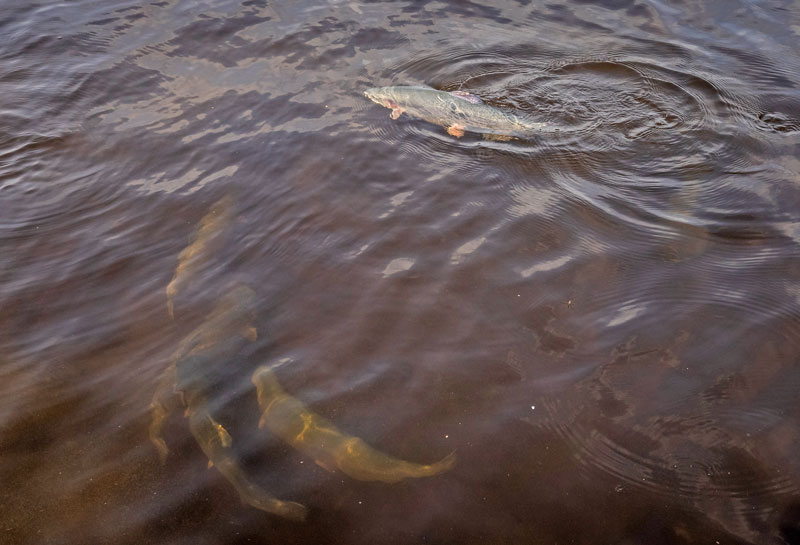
(677, 421)
(651, 145)
(683, 455)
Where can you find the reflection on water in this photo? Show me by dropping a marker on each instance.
(603, 319)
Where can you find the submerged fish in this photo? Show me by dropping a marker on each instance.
(205, 241)
(198, 366)
(216, 443)
(457, 111)
(291, 420)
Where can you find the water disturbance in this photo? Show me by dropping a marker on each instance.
(217, 251)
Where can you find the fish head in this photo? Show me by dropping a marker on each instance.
(383, 96)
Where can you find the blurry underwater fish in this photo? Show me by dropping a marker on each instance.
(205, 241)
(290, 419)
(457, 111)
(201, 356)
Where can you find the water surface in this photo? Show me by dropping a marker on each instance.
(603, 321)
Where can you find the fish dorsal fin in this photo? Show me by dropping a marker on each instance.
(469, 97)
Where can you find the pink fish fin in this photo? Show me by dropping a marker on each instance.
(469, 97)
(456, 130)
(396, 112)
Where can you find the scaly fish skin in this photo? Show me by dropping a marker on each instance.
(456, 111)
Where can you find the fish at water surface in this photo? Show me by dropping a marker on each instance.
(457, 111)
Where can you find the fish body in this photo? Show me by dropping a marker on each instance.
(205, 241)
(233, 315)
(216, 443)
(202, 362)
(290, 419)
(457, 111)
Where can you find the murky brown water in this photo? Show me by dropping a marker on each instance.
(602, 322)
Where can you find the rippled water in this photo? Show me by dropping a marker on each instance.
(603, 322)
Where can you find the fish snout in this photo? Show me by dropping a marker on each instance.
(381, 97)
(372, 94)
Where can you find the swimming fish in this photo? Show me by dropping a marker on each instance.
(288, 418)
(457, 111)
(198, 367)
(231, 318)
(216, 443)
(205, 241)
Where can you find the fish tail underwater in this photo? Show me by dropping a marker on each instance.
(316, 436)
(218, 451)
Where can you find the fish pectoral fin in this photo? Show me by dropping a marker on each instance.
(210, 464)
(224, 436)
(447, 463)
(396, 112)
(172, 290)
(456, 130)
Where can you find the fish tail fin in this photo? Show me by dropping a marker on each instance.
(207, 436)
(287, 509)
(255, 497)
(445, 464)
(252, 495)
